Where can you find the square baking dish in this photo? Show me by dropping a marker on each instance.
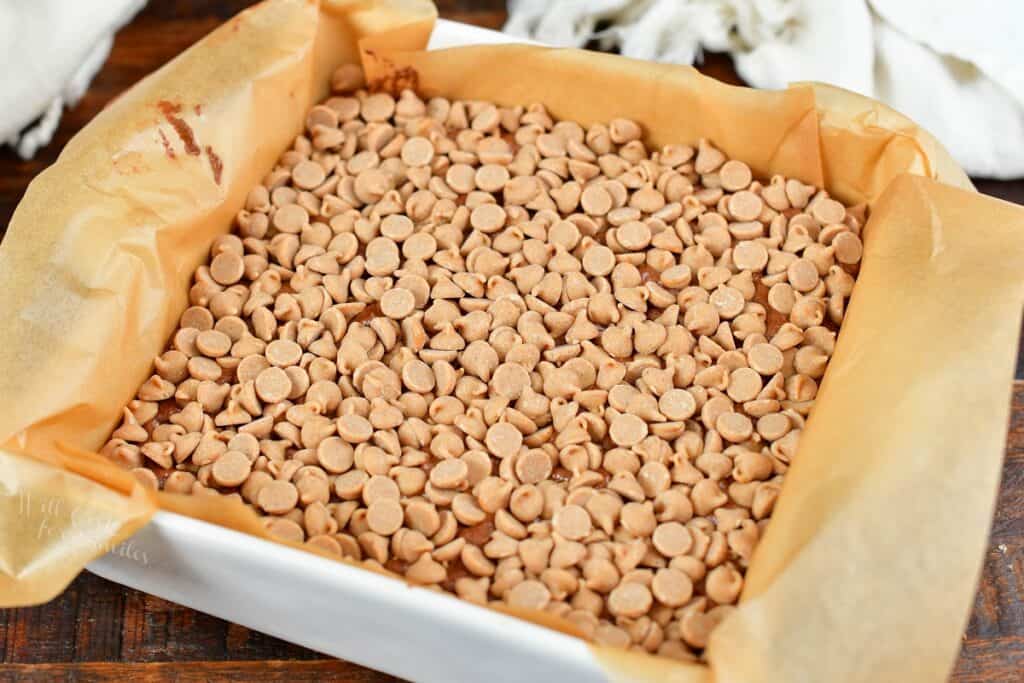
(876, 540)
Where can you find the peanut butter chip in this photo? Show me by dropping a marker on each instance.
(227, 268)
(745, 206)
(382, 257)
(638, 519)
(277, 497)
(491, 177)
(803, 275)
(735, 175)
(723, 584)
(765, 359)
(676, 277)
(829, 211)
(598, 260)
(354, 428)
(418, 377)
(629, 600)
(848, 248)
(308, 174)
(204, 369)
(533, 467)
(449, 474)
(672, 539)
(677, 404)
(380, 487)
(213, 343)
(509, 380)
(728, 300)
(273, 385)
(285, 529)
(572, 522)
(198, 317)
(503, 440)
(596, 201)
(231, 469)
(627, 430)
(417, 151)
(378, 107)
(521, 190)
(744, 385)
(291, 218)
(397, 227)
(672, 587)
(461, 178)
(397, 303)
(532, 595)
(384, 517)
(634, 235)
(420, 246)
(335, 455)
(773, 426)
(750, 256)
(282, 353)
(349, 486)
(488, 218)
(371, 185)
(734, 427)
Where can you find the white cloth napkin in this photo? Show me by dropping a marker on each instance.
(954, 67)
(49, 52)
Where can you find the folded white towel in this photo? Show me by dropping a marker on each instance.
(954, 67)
(49, 52)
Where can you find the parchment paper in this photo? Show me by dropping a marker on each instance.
(870, 564)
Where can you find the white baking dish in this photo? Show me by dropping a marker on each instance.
(340, 610)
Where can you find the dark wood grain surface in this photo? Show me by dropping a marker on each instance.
(101, 631)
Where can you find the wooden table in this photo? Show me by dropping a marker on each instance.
(97, 630)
